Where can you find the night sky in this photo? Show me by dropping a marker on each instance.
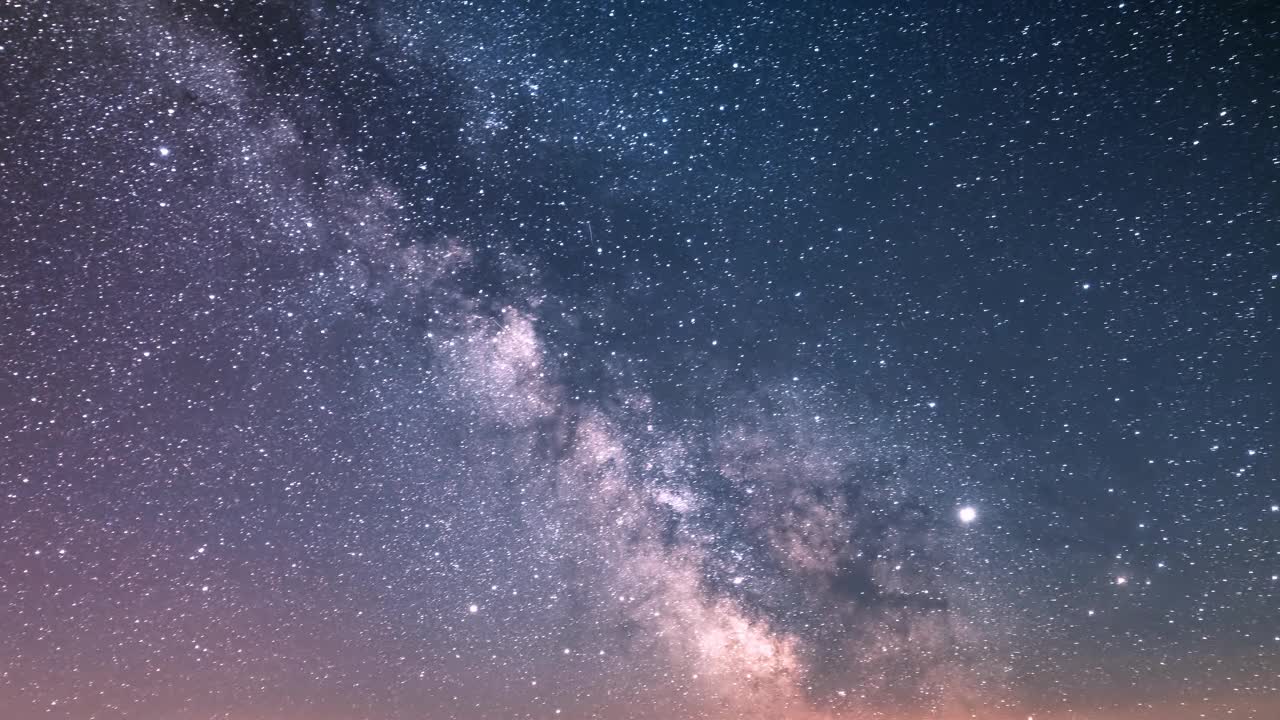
(757, 360)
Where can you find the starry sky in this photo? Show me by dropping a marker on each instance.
(622, 360)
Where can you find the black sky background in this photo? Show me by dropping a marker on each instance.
(633, 322)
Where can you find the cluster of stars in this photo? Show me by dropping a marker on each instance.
(650, 360)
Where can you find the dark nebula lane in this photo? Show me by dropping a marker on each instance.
(645, 360)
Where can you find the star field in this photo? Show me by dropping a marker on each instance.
(374, 359)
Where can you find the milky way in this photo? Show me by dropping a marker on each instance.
(638, 360)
